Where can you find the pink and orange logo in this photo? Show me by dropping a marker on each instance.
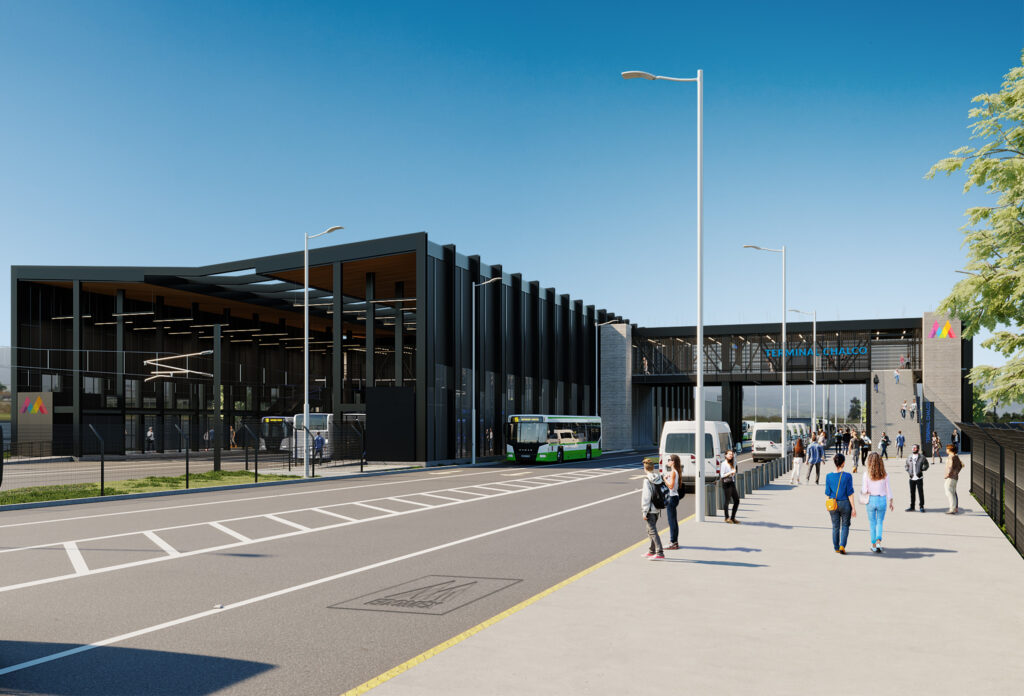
(35, 407)
(947, 331)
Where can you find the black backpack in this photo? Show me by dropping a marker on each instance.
(659, 494)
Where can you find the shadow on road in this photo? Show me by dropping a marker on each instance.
(737, 564)
(114, 671)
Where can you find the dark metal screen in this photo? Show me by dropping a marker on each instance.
(997, 475)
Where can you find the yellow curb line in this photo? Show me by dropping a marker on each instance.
(440, 648)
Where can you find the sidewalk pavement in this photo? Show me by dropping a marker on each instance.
(768, 607)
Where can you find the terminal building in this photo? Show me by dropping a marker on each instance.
(201, 352)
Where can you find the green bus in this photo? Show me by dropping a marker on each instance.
(541, 438)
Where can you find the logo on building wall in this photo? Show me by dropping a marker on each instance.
(947, 331)
(36, 407)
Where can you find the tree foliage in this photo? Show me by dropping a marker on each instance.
(854, 413)
(993, 296)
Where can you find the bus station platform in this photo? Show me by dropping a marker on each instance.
(766, 602)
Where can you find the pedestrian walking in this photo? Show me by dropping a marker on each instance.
(953, 468)
(231, 441)
(903, 409)
(150, 440)
(728, 474)
(901, 440)
(896, 376)
(674, 481)
(916, 466)
(954, 439)
(913, 410)
(847, 436)
(853, 449)
(936, 447)
(839, 503)
(648, 498)
(838, 436)
(875, 381)
(206, 440)
(798, 460)
(876, 494)
(903, 361)
(865, 447)
(318, 449)
(815, 455)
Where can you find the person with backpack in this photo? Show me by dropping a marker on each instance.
(883, 445)
(652, 502)
(875, 382)
(815, 455)
(728, 479)
(675, 494)
(839, 503)
(865, 447)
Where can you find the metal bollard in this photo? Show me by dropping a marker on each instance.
(761, 482)
(748, 482)
(710, 498)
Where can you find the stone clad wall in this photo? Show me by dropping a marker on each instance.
(941, 374)
(616, 386)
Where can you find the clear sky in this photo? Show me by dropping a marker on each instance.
(186, 133)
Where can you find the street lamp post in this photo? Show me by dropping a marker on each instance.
(472, 370)
(785, 426)
(699, 400)
(305, 341)
(814, 364)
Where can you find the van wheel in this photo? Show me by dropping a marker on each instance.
(560, 457)
(588, 453)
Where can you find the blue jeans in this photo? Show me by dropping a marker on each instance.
(841, 523)
(673, 520)
(876, 515)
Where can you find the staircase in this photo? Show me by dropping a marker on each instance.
(885, 410)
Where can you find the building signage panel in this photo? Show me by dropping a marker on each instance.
(35, 408)
(794, 352)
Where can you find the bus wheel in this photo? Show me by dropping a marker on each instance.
(560, 456)
(588, 453)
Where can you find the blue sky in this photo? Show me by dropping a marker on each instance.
(196, 132)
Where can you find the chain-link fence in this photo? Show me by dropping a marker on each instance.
(997, 475)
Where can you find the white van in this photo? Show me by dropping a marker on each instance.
(678, 437)
(768, 441)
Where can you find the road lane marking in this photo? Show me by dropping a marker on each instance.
(168, 549)
(374, 507)
(451, 642)
(399, 499)
(607, 471)
(517, 473)
(442, 497)
(295, 588)
(229, 531)
(75, 556)
(289, 523)
(334, 514)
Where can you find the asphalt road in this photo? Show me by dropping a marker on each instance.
(311, 588)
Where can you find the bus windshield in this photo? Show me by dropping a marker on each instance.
(317, 421)
(275, 428)
(531, 433)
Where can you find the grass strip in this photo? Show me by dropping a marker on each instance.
(150, 484)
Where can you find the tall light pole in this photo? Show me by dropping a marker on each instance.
(305, 343)
(472, 370)
(699, 400)
(785, 426)
(597, 368)
(814, 364)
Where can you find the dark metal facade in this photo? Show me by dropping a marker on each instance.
(391, 313)
(997, 475)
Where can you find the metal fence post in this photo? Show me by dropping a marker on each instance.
(185, 437)
(255, 454)
(103, 463)
(1, 458)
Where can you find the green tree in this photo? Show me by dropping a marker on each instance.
(993, 296)
(854, 415)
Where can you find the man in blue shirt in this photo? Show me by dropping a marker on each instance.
(900, 441)
(318, 449)
(815, 453)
